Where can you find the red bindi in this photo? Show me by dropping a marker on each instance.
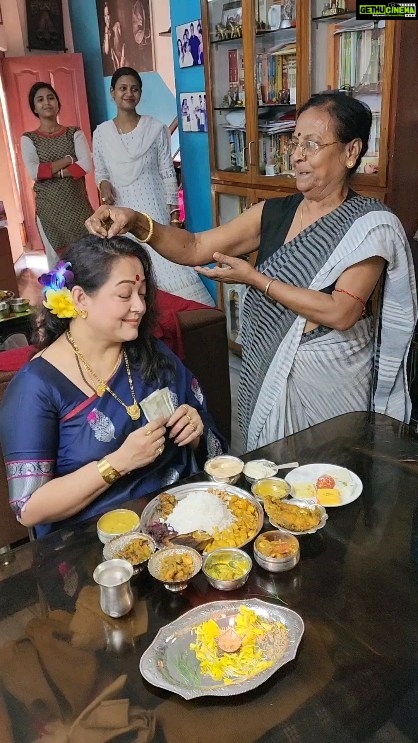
(137, 277)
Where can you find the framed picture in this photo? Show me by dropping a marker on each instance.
(45, 25)
(193, 112)
(190, 44)
(126, 36)
(232, 13)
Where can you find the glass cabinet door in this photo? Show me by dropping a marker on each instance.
(275, 66)
(227, 85)
(228, 206)
(348, 55)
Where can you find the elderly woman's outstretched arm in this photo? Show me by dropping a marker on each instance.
(236, 238)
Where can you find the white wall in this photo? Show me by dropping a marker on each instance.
(163, 48)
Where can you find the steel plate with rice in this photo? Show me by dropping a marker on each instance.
(182, 659)
(203, 515)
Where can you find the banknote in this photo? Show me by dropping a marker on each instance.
(158, 404)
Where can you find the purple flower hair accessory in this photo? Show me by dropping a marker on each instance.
(59, 278)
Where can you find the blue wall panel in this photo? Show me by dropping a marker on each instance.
(194, 146)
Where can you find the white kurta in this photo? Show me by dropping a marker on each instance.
(140, 168)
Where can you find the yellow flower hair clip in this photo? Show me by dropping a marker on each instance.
(60, 303)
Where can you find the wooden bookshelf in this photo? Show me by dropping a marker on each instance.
(317, 42)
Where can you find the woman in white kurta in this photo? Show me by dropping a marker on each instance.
(134, 168)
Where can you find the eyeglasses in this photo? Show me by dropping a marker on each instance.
(308, 148)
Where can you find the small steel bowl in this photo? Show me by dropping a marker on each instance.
(4, 310)
(277, 564)
(271, 469)
(122, 513)
(112, 548)
(278, 487)
(155, 563)
(222, 584)
(217, 468)
(19, 304)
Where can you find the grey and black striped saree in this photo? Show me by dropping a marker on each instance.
(289, 380)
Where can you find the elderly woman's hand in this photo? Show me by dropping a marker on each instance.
(233, 270)
(109, 221)
(186, 426)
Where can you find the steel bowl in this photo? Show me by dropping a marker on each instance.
(277, 564)
(112, 548)
(271, 469)
(105, 535)
(225, 584)
(217, 468)
(4, 310)
(157, 558)
(279, 488)
(19, 304)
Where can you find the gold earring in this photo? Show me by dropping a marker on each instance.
(83, 314)
(350, 164)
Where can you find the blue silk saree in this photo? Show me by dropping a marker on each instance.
(50, 428)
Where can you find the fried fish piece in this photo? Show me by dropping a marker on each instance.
(292, 517)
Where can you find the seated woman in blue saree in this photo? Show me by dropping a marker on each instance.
(310, 349)
(75, 440)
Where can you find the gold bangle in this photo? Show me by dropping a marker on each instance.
(175, 221)
(267, 287)
(150, 228)
(109, 474)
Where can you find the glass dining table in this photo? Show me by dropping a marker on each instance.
(70, 673)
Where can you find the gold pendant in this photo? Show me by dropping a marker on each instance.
(101, 389)
(133, 411)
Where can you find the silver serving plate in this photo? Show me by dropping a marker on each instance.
(150, 514)
(170, 664)
(302, 503)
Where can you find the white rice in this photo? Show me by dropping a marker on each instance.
(200, 512)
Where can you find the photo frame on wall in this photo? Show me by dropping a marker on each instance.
(193, 112)
(126, 35)
(190, 43)
(232, 13)
(45, 25)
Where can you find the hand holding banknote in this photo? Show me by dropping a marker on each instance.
(186, 425)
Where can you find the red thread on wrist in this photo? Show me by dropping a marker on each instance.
(353, 296)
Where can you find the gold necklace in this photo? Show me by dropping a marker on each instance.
(133, 410)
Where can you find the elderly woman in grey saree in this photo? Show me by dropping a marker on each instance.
(310, 348)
